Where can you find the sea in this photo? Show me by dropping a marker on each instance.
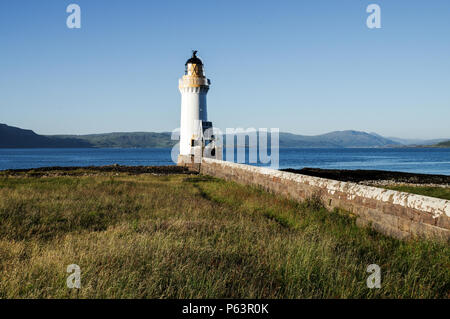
(414, 160)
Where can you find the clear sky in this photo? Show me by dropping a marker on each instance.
(306, 67)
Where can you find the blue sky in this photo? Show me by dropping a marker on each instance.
(306, 67)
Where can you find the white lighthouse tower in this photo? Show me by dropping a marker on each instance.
(196, 139)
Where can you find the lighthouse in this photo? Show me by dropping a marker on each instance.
(196, 138)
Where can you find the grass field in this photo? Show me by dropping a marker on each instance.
(439, 192)
(190, 236)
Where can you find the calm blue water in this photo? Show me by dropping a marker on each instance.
(415, 160)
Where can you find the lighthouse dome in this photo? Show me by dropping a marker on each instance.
(194, 59)
(194, 66)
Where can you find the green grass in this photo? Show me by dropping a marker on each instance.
(439, 192)
(180, 236)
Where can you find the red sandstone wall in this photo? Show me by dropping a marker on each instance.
(397, 214)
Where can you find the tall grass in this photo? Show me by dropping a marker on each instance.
(432, 191)
(180, 236)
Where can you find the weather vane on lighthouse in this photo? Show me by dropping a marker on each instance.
(196, 138)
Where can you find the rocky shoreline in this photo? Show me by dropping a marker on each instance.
(93, 170)
(376, 177)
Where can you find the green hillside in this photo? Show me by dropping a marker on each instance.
(443, 144)
(135, 139)
(14, 137)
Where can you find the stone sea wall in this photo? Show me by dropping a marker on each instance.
(398, 214)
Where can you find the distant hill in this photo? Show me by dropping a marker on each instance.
(415, 142)
(13, 137)
(443, 144)
(337, 139)
(118, 140)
